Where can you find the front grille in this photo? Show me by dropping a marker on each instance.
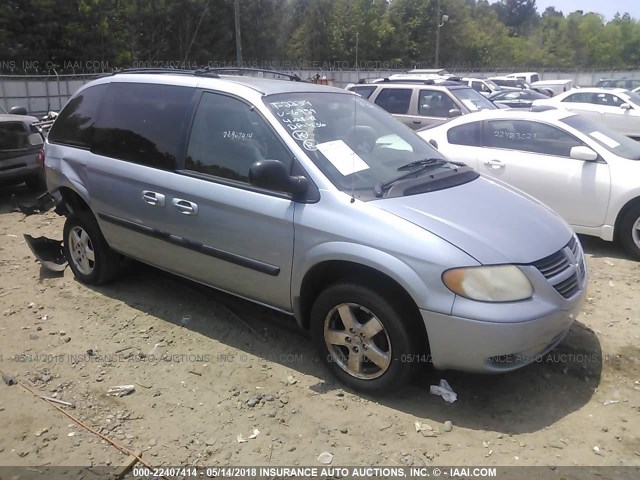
(553, 264)
(567, 288)
(561, 261)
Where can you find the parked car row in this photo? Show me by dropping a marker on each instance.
(617, 108)
(590, 169)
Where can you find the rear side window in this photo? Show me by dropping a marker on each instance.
(580, 98)
(467, 134)
(529, 137)
(74, 125)
(143, 123)
(394, 100)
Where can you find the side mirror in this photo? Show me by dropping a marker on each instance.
(272, 175)
(625, 106)
(433, 143)
(454, 112)
(583, 153)
(18, 110)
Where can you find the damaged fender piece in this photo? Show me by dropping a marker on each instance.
(48, 252)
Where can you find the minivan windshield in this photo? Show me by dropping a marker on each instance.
(613, 141)
(355, 143)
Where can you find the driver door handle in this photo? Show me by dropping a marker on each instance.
(185, 206)
(494, 164)
(153, 198)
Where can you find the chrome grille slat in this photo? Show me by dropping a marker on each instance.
(553, 264)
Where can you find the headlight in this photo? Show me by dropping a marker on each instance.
(501, 283)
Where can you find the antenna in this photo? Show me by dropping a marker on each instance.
(195, 33)
(355, 110)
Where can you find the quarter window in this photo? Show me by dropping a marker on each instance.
(142, 123)
(228, 136)
(74, 125)
(394, 100)
(529, 137)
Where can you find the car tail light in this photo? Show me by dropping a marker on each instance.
(41, 157)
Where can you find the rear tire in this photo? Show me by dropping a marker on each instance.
(630, 231)
(364, 338)
(90, 257)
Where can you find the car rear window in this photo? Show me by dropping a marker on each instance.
(74, 125)
(13, 136)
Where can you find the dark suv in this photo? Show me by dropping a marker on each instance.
(20, 146)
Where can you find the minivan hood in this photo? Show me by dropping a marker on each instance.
(488, 220)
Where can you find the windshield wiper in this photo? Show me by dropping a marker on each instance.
(426, 162)
(421, 165)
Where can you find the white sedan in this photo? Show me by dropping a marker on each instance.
(586, 172)
(617, 108)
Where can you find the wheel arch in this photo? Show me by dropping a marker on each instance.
(69, 201)
(621, 213)
(330, 272)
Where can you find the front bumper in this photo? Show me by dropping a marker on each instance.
(493, 347)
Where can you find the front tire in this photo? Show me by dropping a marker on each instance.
(90, 257)
(630, 231)
(363, 337)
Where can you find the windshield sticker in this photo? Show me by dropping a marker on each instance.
(609, 142)
(342, 157)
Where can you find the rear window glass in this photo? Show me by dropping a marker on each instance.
(74, 125)
(467, 134)
(142, 123)
(13, 136)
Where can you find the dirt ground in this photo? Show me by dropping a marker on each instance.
(208, 368)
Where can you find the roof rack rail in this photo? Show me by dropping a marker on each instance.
(177, 71)
(213, 70)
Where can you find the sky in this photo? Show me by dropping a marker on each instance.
(608, 8)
